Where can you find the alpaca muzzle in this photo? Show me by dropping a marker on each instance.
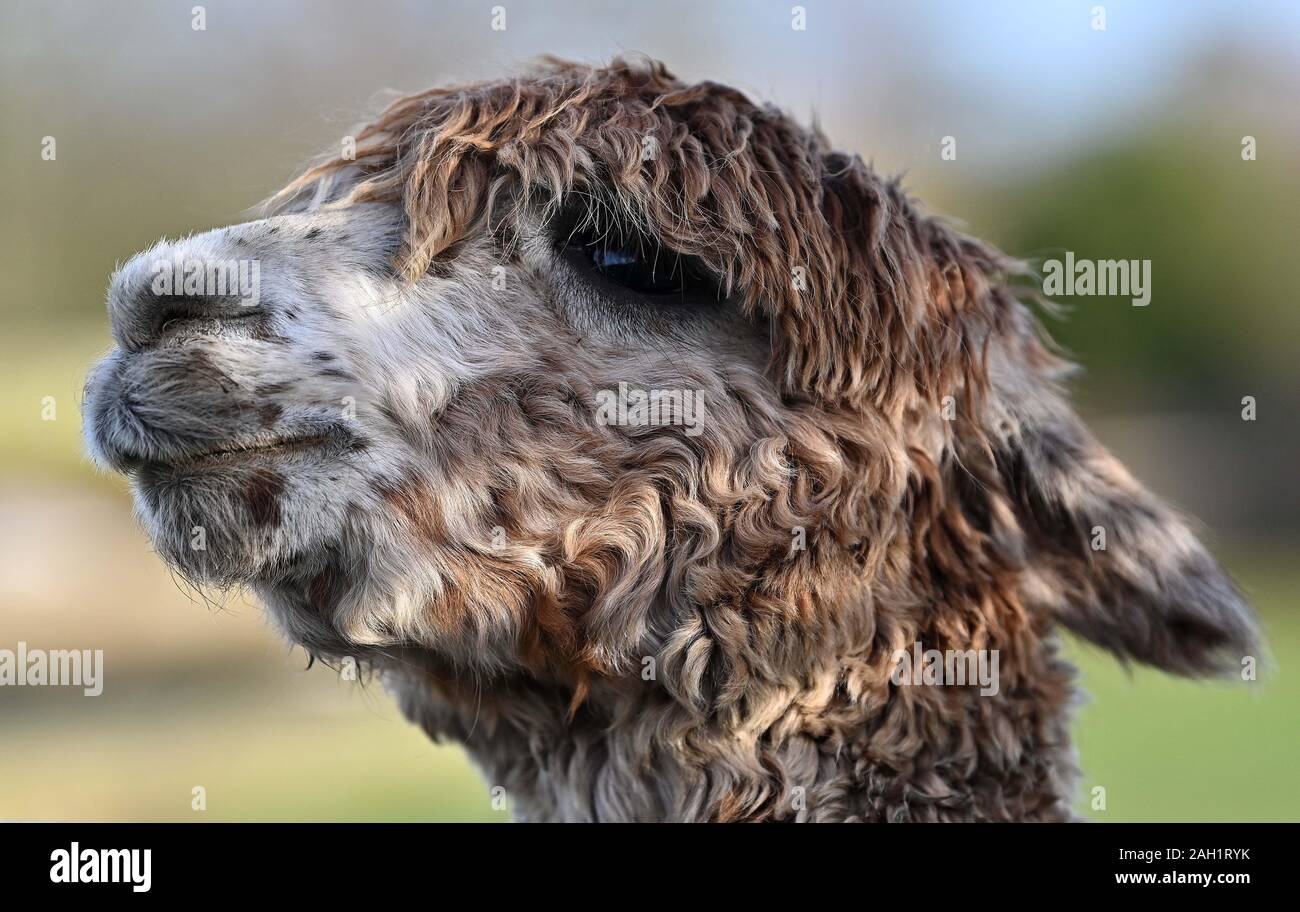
(166, 406)
(167, 394)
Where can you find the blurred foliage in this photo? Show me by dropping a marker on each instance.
(292, 746)
(1220, 233)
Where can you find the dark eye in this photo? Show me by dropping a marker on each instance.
(638, 264)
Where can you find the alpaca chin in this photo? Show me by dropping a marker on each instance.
(218, 527)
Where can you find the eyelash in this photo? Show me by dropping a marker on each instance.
(636, 265)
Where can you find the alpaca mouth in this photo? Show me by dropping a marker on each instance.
(237, 452)
(252, 449)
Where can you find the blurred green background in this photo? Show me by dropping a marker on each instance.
(1123, 142)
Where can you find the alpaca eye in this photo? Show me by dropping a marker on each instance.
(639, 265)
(627, 265)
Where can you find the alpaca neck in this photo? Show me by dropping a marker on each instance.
(624, 757)
(842, 747)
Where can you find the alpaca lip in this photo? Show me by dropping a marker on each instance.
(238, 452)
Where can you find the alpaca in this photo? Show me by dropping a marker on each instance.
(637, 440)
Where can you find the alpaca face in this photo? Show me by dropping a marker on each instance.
(565, 377)
(379, 458)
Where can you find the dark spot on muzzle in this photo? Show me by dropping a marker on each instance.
(262, 495)
(269, 414)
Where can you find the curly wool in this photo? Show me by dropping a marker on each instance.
(920, 440)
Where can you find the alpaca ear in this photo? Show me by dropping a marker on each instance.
(1113, 563)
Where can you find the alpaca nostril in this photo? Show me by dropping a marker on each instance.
(197, 314)
(143, 320)
(181, 291)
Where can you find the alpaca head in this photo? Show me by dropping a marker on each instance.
(554, 374)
